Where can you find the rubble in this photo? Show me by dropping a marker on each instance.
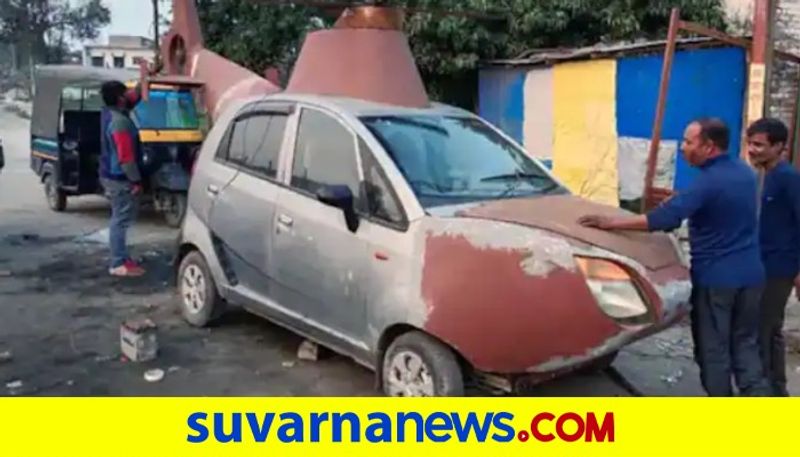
(138, 340)
(6, 356)
(154, 375)
(308, 351)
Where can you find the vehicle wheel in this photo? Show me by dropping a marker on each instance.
(416, 365)
(200, 303)
(56, 198)
(174, 208)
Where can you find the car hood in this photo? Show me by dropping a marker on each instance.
(559, 214)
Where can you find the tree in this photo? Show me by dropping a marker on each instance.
(257, 36)
(40, 28)
(449, 48)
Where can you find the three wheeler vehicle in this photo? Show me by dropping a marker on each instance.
(66, 136)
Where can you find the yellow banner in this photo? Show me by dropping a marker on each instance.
(161, 427)
(584, 129)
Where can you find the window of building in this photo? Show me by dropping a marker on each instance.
(119, 62)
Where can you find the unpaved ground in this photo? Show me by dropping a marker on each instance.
(60, 315)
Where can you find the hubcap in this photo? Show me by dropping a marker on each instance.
(193, 289)
(409, 376)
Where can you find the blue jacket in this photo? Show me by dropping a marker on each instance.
(780, 222)
(723, 224)
(120, 148)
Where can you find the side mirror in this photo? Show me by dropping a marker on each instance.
(340, 197)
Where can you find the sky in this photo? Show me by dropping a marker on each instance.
(131, 17)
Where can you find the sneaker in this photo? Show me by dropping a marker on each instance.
(127, 269)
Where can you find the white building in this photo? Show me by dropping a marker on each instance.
(121, 51)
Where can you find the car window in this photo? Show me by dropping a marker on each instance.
(379, 200)
(325, 154)
(255, 143)
(451, 160)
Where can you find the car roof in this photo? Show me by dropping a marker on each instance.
(359, 107)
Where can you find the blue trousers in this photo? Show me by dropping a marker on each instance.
(124, 208)
(725, 329)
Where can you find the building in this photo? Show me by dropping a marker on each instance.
(596, 136)
(784, 78)
(121, 51)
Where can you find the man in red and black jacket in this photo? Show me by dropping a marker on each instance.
(119, 172)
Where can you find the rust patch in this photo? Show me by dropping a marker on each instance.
(560, 214)
(502, 319)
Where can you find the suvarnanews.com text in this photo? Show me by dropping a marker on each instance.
(403, 427)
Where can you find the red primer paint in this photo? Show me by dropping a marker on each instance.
(499, 317)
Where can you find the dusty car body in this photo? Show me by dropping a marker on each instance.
(485, 265)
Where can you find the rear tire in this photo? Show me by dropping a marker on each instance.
(174, 208)
(417, 365)
(56, 198)
(200, 302)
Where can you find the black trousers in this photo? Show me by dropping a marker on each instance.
(773, 347)
(725, 331)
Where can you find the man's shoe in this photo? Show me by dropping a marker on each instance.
(128, 269)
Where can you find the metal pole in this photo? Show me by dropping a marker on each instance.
(756, 97)
(666, 71)
(156, 19)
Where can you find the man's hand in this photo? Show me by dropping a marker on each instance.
(595, 221)
(797, 287)
(136, 189)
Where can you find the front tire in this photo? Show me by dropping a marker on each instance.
(56, 198)
(200, 302)
(416, 365)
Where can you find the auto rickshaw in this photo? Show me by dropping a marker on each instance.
(66, 136)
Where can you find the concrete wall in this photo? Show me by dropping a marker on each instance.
(129, 56)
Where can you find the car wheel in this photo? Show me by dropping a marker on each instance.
(199, 301)
(56, 198)
(416, 365)
(175, 209)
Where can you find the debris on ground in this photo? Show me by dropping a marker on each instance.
(154, 375)
(138, 340)
(673, 378)
(173, 369)
(288, 364)
(96, 237)
(6, 356)
(104, 358)
(5, 274)
(308, 351)
(14, 385)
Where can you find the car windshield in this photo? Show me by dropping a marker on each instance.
(167, 110)
(453, 160)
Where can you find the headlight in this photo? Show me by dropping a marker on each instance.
(613, 288)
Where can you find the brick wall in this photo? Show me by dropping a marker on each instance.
(784, 80)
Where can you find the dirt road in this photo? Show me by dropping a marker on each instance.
(60, 315)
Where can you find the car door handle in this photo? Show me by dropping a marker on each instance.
(285, 220)
(212, 190)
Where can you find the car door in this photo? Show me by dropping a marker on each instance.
(318, 262)
(241, 217)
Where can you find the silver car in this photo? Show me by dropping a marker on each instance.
(423, 243)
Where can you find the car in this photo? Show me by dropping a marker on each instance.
(423, 243)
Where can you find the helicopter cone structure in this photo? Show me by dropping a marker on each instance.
(184, 54)
(366, 55)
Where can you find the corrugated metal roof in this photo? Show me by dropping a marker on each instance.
(549, 56)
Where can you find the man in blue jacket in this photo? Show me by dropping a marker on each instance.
(780, 240)
(119, 173)
(727, 274)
